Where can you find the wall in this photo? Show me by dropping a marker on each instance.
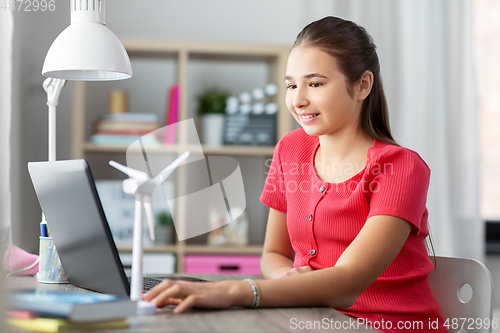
(258, 21)
(33, 33)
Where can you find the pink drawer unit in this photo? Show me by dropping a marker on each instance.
(222, 264)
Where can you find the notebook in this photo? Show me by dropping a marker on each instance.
(68, 197)
(72, 306)
(62, 325)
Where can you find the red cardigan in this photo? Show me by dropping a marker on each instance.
(324, 218)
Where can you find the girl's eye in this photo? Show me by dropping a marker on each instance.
(291, 86)
(315, 84)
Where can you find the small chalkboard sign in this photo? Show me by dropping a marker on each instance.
(250, 129)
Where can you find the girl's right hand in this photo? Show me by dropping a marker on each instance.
(285, 271)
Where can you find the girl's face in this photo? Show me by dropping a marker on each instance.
(317, 93)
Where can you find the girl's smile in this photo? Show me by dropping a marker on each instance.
(308, 117)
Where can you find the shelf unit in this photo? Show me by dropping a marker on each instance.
(183, 53)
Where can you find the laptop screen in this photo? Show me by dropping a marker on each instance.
(78, 226)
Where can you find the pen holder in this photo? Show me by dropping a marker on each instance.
(50, 268)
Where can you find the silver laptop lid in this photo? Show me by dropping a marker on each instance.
(68, 197)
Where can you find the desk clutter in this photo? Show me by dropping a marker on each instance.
(16, 261)
(245, 119)
(20, 319)
(125, 128)
(66, 311)
(50, 269)
(119, 127)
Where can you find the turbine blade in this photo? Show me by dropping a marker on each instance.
(163, 175)
(133, 173)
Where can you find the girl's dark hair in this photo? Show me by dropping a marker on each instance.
(355, 52)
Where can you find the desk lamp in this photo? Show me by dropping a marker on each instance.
(85, 51)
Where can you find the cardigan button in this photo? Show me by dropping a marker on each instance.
(322, 189)
(310, 217)
(313, 252)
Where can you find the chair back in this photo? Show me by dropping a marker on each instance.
(463, 288)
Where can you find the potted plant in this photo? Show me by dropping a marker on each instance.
(164, 231)
(212, 105)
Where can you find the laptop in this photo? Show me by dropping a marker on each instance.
(79, 229)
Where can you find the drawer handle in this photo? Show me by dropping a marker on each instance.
(229, 268)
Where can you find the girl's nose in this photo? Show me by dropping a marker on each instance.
(300, 99)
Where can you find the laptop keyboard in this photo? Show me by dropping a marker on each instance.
(147, 283)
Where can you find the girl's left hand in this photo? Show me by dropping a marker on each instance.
(215, 295)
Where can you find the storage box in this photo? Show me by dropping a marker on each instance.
(222, 264)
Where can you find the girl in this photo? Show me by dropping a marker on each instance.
(348, 213)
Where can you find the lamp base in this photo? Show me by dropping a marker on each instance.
(145, 308)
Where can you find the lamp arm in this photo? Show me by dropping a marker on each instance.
(53, 89)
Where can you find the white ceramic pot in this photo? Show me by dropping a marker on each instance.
(164, 235)
(213, 126)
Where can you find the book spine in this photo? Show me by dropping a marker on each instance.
(125, 126)
(121, 139)
(132, 132)
(168, 112)
(172, 133)
(132, 117)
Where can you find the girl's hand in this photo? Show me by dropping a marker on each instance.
(215, 295)
(294, 271)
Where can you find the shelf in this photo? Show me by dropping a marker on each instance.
(239, 150)
(246, 249)
(225, 150)
(160, 148)
(155, 248)
(94, 148)
(221, 50)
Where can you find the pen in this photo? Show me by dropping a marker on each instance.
(43, 229)
(48, 259)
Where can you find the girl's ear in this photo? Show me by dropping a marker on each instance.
(365, 85)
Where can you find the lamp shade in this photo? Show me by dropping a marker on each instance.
(87, 50)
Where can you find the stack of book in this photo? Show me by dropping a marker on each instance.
(125, 128)
(68, 312)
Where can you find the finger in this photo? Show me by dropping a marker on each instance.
(173, 291)
(172, 301)
(187, 303)
(149, 295)
(304, 269)
(153, 292)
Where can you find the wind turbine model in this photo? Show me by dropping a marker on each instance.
(142, 187)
